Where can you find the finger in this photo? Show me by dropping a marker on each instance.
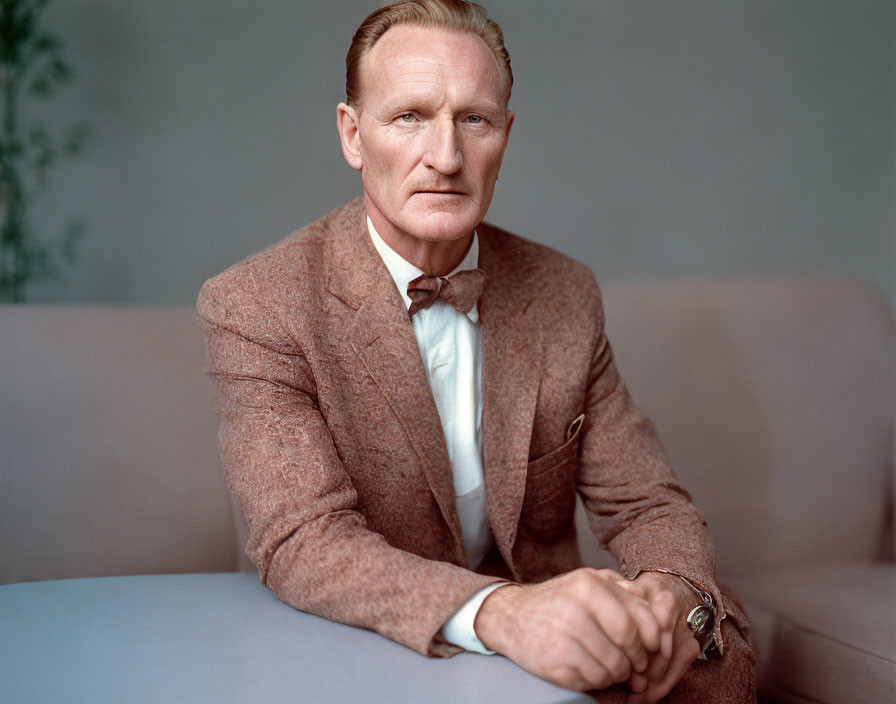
(660, 611)
(582, 672)
(638, 683)
(615, 618)
(684, 656)
(662, 603)
(657, 668)
(650, 628)
(567, 677)
(659, 662)
(667, 643)
(591, 637)
(664, 606)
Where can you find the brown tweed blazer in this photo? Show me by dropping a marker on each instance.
(331, 440)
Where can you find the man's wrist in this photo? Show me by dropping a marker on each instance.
(701, 615)
(460, 629)
(491, 620)
(702, 619)
(705, 597)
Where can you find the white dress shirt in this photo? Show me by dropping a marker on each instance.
(451, 350)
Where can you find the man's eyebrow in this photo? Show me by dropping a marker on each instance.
(417, 101)
(406, 101)
(485, 106)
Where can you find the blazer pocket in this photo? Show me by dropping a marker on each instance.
(550, 498)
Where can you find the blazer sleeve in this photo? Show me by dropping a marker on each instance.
(634, 503)
(311, 545)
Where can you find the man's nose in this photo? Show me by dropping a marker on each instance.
(443, 151)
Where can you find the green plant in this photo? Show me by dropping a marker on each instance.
(31, 69)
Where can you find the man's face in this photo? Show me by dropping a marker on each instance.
(430, 133)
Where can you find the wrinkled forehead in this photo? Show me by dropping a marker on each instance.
(414, 58)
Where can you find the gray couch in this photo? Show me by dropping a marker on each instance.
(775, 399)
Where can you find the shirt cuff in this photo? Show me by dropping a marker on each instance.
(459, 628)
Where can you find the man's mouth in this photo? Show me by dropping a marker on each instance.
(441, 191)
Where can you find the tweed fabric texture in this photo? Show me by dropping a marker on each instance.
(332, 443)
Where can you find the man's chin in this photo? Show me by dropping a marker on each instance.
(442, 226)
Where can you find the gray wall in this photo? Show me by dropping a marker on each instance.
(652, 139)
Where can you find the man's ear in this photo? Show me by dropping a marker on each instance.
(347, 122)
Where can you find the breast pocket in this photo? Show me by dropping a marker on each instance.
(550, 498)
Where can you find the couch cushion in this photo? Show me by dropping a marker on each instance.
(825, 633)
(108, 445)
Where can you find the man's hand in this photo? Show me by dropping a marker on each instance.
(590, 629)
(671, 600)
(582, 630)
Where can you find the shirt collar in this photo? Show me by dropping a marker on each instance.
(403, 272)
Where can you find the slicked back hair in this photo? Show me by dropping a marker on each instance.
(452, 15)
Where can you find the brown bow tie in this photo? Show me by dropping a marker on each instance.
(461, 290)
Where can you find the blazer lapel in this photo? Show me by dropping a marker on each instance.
(511, 369)
(382, 335)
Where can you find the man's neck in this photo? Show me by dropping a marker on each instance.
(434, 258)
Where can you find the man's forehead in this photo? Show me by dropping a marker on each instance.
(415, 57)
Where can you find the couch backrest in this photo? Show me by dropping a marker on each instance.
(108, 451)
(775, 400)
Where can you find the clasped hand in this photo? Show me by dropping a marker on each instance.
(590, 629)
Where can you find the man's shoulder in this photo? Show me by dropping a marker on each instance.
(296, 258)
(534, 260)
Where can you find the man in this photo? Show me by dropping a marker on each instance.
(410, 400)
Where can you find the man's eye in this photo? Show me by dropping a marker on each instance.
(408, 117)
(475, 119)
